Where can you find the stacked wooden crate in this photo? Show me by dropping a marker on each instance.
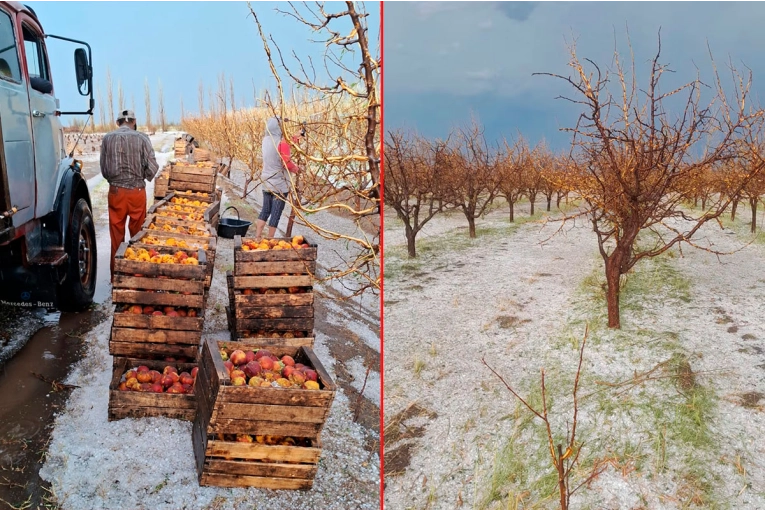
(265, 436)
(185, 210)
(271, 293)
(193, 177)
(160, 182)
(158, 319)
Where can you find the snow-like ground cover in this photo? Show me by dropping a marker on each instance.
(149, 463)
(683, 436)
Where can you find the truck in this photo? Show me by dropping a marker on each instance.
(47, 236)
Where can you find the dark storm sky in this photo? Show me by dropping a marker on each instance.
(443, 61)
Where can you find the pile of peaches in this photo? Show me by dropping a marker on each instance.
(273, 334)
(153, 256)
(186, 201)
(192, 231)
(288, 290)
(169, 311)
(181, 216)
(262, 369)
(274, 244)
(170, 241)
(150, 381)
(266, 440)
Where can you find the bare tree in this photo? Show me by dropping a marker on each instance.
(110, 95)
(147, 103)
(412, 181)
(120, 96)
(510, 172)
(161, 106)
(201, 97)
(634, 157)
(183, 113)
(101, 108)
(470, 182)
(347, 172)
(132, 102)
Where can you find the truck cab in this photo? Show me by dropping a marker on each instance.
(47, 236)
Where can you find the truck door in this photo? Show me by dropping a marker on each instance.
(17, 126)
(46, 127)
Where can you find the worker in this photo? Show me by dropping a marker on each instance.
(276, 181)
(127, 161)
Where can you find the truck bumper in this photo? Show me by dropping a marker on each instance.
(30, 287)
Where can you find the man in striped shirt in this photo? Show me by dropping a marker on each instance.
(127, 160)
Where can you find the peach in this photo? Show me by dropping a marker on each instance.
(157, 388)
(288, 371)
(130, 381)
(176, 388)
(146, 387)
(182, 313)
(238, 357)
(130, 374)
(250, 356)
(237, 373)
(172, 314)
(135, 309)
(167, 380)
(194, 373)
(229, 366)
(148, 310)
(252, 369)
(311, 385)
(144, 377)
(269, 376)
(238, 381)
(256, 381)
(188, 388)
(123, 386)
(155, 376)
(265, 384)
(169, 309)
(169, 369)
(248, 292)
(266, 363)
(299, 366)
(192, 313)
(288, 361)
(261, 353)
(224, 355)
(158, 313)
(185, 378)
(143, 368)
(311, 375)
(298, 378)
(284, 383)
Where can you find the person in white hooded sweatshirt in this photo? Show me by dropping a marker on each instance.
(276, 182)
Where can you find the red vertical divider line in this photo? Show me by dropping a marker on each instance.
(382, 256)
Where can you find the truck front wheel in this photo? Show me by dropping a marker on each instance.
(76, 293)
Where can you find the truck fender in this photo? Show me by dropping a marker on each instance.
(71, 188)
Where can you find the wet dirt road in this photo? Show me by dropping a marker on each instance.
(28, 404)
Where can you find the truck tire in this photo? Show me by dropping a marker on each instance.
(79, 286)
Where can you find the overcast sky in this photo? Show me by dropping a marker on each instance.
(444, 60)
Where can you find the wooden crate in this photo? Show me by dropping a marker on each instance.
(141, 336)
(189, 226)
(209, 211)
(233, 464)
(228, 409)
(302, 261)
(133, 404)
(208, 197)
(137, 241)
(160, 183)
(196, 230)
(187, 177)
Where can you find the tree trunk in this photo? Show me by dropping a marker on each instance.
(410, 236)
(612, 291)
(549, 202)
(733, 210)
(532, 199)
(704, 203)
(471, 225)
(753, 203)
(557, 201)
(695, 201)
(512, 212)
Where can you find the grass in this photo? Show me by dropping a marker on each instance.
(668, 416)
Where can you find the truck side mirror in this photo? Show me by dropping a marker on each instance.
(83, 70)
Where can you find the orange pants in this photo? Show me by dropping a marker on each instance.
(124, 203)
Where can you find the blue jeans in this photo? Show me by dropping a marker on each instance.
(273, 206)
